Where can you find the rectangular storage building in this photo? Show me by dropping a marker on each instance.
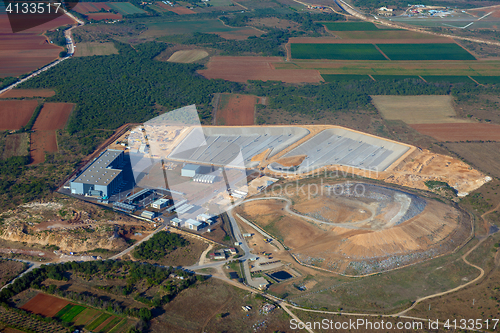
(104, 175)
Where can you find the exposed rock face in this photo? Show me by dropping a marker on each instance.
(65, 241)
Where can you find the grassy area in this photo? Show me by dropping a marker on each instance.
(94, 48)
(69, 312)
(336, 51)
(350, 26)
(441, 51)
(484, 72)
(125, 8)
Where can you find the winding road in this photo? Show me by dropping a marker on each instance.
(71, 50)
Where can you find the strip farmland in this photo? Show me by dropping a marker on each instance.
(336, 51)
(446, 51)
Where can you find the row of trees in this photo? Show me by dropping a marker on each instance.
(136, 273)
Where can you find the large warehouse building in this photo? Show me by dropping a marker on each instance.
(103, 175)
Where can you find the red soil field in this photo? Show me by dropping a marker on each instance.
(89, 7)
(460, 131)
(104, 16)
(16, 114)
(20, 93)
(238, 111)
(53, 116)
(45, 305)
(42, 142)
(177, 10)
(328, 40)
(26, 51)
(242, 69)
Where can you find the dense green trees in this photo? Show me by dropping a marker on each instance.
(159, 245)
(116, 89)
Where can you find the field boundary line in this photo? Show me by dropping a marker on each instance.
(385, 55)
(470, 77)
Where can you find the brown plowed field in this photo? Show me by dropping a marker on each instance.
(42, 142)
(329, 40)
(16, 114)
(237, 110)
(20, 93)
(242, 69)
(26, 51)
(53, 116)
(45, 305)
(177, 10)
(460, 131)
(91, 9)
(104, 16)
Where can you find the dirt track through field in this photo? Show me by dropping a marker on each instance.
(464, 258)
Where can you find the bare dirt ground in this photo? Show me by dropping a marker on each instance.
(482, 155)
(53, 116)
(460, 131)
(212, 300)
(422, 166)
(236, 110)
(45, 305)
(8, 270)
(16, 114)
(434, 231)
(242, 69)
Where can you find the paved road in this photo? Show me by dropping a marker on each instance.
(71, 50)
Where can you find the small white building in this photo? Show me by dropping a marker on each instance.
(161, 203)
(176, 222)
(209, 219)
(194, 225)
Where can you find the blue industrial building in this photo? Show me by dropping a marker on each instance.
(103, 175)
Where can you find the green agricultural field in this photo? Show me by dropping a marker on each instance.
(125, 8)
(101, 319)
(441, 51)
(343, 77)
(112, 324)
(336, 51)
(447, 78)
(69, 312)
(350, 26)
(487, 79)
(394, 77)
